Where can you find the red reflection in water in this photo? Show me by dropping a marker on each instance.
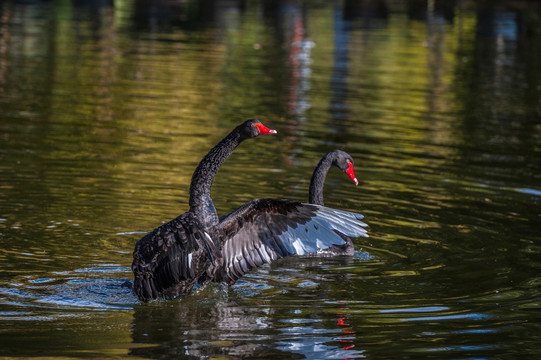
(347, 330)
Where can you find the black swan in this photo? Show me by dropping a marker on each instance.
(343, 161)
(198, 246)
(169, 260)
(264, 230)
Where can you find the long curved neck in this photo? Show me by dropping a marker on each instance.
(200, 201)
(315, 194)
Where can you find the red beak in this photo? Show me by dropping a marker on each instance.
(351, 173)
(263, 130)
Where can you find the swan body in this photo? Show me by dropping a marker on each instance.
(264, 230)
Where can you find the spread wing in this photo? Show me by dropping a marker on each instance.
(168, 261)
(264, 230)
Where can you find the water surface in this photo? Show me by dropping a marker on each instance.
(107, 107)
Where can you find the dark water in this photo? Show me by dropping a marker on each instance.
(106, 108)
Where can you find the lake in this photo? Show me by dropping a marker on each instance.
(107, 107)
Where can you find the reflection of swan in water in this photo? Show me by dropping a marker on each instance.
(197, 327)
(231, 324)
(278, 320)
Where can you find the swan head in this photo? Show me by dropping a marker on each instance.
(344, 162)
(253, 128)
